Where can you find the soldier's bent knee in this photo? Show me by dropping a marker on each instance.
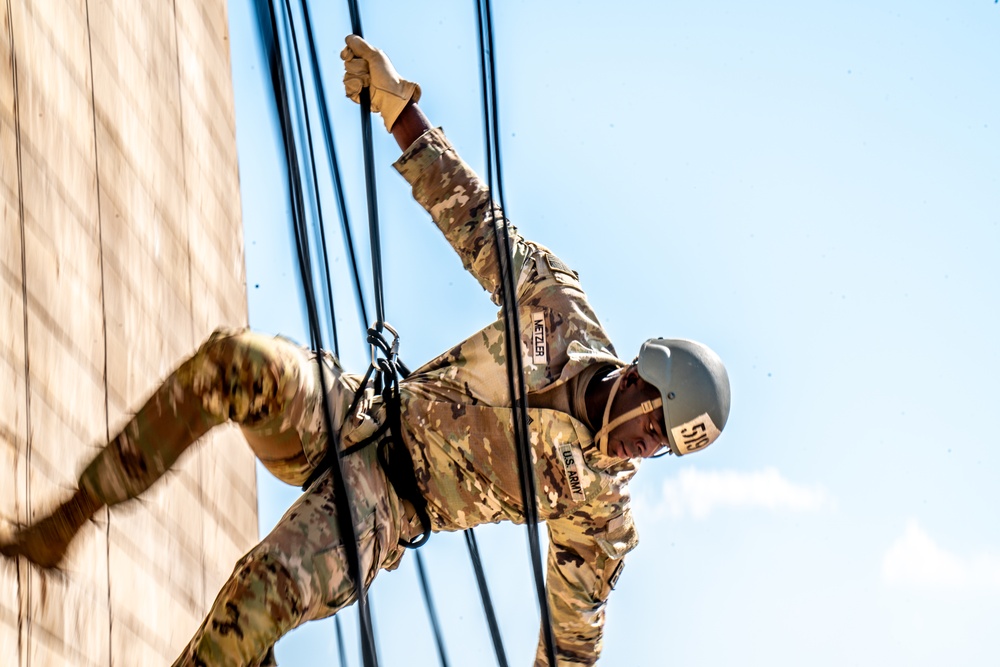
(266, 570)
(243, 376)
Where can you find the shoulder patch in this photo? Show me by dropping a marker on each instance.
(556, 264)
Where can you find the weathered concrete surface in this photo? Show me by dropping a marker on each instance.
(121, 250)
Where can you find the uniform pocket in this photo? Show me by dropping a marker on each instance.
(620, 537)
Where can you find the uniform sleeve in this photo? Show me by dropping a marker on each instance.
(586, 556)
(460, 204)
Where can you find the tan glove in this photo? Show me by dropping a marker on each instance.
(368, 67)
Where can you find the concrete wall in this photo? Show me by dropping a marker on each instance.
(121, 250)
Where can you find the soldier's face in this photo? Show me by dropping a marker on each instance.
(644, 435)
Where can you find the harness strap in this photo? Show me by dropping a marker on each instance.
(397, 463)
(393, 456)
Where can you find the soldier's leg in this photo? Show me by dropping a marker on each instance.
(299, 572)
(250, 378)
(242, 376)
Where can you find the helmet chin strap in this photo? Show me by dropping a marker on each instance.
(645, 408)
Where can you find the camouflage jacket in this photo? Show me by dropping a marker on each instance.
(457, 419)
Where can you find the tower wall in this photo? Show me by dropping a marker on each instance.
(121, 251)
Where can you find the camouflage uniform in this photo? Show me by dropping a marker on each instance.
(298, 572)
(456, 425)
(457, 422)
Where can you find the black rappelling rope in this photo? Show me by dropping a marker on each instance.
(302, 246)
(512, 339)
(317, 216)
(372, 198)
(267, 24)
(334, 167)
(340, 641)
(429, 601)
(484, 593)
(369, 648)
(396, 364)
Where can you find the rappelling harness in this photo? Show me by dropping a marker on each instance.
(383, 376)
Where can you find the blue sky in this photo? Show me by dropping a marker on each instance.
(813, 189)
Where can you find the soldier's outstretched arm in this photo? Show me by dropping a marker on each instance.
(587, 549)
(457, 199)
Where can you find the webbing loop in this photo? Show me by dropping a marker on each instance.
(392, 453)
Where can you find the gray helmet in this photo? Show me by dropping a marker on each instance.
(694, 387)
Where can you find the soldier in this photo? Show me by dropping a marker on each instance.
(592, 419)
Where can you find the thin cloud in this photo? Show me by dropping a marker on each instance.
(697, 494)
(916, 561)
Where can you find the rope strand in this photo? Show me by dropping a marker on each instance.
(428, 600)
(515, 365)
(515, 371)
(335, 168)
(484, 593)
(267, 23)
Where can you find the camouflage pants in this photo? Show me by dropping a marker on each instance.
(271, 388)
(298, 573)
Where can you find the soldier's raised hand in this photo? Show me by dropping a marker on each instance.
(368, 67)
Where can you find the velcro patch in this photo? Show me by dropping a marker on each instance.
(571, 465)
(613, 581)
(696, 434)
(556, 264)
(539, 348)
